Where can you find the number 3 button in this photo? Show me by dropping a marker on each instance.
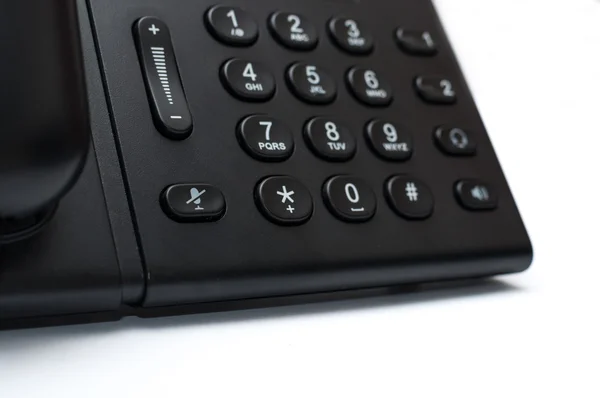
(248, 80)
(350, 199)
(435, 89)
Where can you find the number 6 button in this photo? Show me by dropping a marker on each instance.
(435, 89)
(350, 199)
(248, 80)
(369, 87)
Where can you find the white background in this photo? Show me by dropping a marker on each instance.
(534, 68)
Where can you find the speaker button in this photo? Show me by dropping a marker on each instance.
(475, 195)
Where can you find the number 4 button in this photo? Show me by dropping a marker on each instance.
(435, 89)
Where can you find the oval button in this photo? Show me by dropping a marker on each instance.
(193, 202)
(248, 80)
(350, 198)
(330, 139)
(266, 138)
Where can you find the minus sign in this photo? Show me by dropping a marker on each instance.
(357, 210)
(176, 117)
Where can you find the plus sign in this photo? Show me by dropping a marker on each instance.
(290, 209)
(154, 29)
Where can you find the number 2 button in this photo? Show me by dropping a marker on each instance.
(293, 31)
(350, 198)
(248, 80)
(435, 89)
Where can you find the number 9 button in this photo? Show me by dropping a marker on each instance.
(329, 139)
(389, 141)
(311, 83)
(265, 138)
(369, 87)
(293, 31)
(350, 198)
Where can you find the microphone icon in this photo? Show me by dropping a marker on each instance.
(195, 197)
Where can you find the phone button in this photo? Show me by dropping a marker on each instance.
(311, 83)
(369, 87)
(416, 42)
(409, 197)
(351, 36)
(293, 31)
(435, 89)
(284, 200)
(350, 198)
(232, 25)
(389, 141)
(163, 83)
(330, 139)
(193, 202)
(266, 138)
(248, 80)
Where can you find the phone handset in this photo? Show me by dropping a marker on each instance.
(44, 130)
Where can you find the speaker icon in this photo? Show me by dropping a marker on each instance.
(480, 193)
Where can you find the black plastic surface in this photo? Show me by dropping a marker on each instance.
(245, 255)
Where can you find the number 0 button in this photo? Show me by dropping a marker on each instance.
(350, 198)
(369, 87)
(293, 31)
(232, 25)
(311, 83)
(248, 80)
(435, 89)
(329, 139)
(266, 138)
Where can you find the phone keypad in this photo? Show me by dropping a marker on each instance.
(285, 200)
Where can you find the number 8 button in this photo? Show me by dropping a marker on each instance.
(350, 198)
(329, 139)
(369, 87)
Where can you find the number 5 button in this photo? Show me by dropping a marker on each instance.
(350, 198)
(311, 83)
(435, 89)
(248, 80)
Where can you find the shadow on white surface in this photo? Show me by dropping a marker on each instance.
(13, 341)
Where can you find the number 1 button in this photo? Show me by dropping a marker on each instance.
(248, 80)
(350, 199)
(232, 25)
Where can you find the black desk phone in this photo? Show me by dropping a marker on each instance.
(159, 157)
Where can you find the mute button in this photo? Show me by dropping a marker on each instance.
(193, 203)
